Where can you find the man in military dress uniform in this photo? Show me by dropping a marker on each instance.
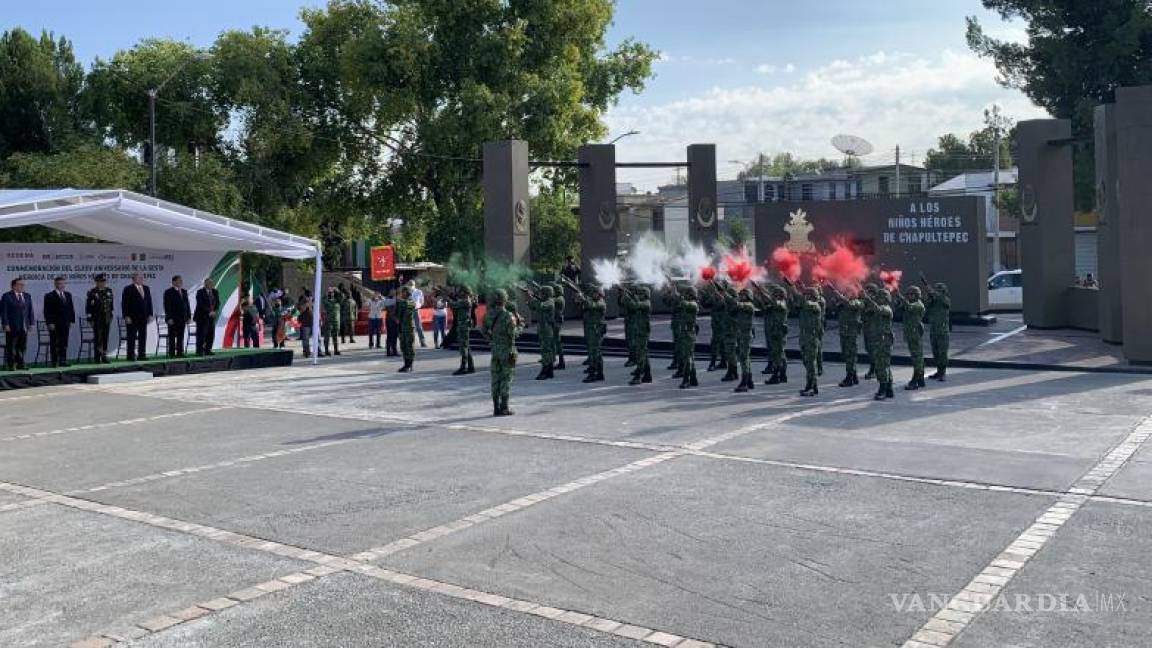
(850, 310)
(775, 305)
(543, 305)
(878, 304)
(558, 305)
(639, 301)
(594, 307)
(501, 326)
(742, 324)
(98, 308)
(689, 310)
(811, 313)
(462, 305)
(913, 310)
(711, 299)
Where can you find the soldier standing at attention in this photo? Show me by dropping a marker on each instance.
(820, 338)
(500, 328)
(594, 308)
(851, 311)
(776, 329)
(348, 316)
(462, 305)
(625, 304)
(939, 313)
(731, 357)
(640, 300)
(673, 300)
(406, 312)
(331, 325)
(878, 304)
(718, 314)
(870, 330)
(913, 310)
(742, 326)
(543, 305)
(98, 308)
(808, 305)
(689, 311)
(558, 305)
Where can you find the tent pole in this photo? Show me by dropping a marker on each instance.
(316, 305)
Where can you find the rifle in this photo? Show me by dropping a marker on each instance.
(528, 291)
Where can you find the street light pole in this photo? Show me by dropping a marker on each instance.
(628, 134)
(152, 92)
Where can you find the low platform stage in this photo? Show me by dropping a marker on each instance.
(223, 360)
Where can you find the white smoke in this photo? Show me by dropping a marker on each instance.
(691, 262)
(608, 273)
(649, 262)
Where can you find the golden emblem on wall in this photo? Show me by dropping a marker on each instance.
(799, 229)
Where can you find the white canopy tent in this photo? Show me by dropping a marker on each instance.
(130, 218)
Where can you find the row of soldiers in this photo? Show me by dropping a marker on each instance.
(339, 310)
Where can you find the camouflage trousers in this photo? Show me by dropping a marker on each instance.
(882, 361)
(848, 350)
(777, 359)
(716, 343)
(916, 351)
(408, 343)
(547, 334)
(463, 340)
(742, 354)
(686, 353)
(870, 349)
(810, 354)
(502, 369)
(820, 352)
(729, 349)
(940, 349)
(641, 342)
(595, 341)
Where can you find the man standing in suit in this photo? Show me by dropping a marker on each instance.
(17, 314)
(60, 314)
(177, 312)
(207, 307)
(136, 309)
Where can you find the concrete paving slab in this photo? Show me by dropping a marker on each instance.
(1088, 587)
(119, 378)
(88, 458)
(76, 408)
(348, 498)
(67, 574)
(740, 554)
(354, 611)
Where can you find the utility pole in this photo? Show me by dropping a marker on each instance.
(996, 198)
(761, 191)
(897, 170)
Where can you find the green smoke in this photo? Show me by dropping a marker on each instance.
(485, 275)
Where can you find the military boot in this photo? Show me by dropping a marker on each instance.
(731, 375)
(940, 374)
(711, 364)
(881, 393)
(407, 368)
(646, 377)
(674, 365)
(855, 378)
(590, 378)
(847, 382)
(685, 383)
(335, 347)
(631, 361)
(743, 386)
(692, 380)
(463, 368)
(543, 375)
(587, 361)
(751, 382)
(888, 390)
(471, 364)
(871, 373)
(496, 410)
(912, 385)
(561, 365)
(769, 369)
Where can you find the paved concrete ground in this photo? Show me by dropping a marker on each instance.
(348, 505)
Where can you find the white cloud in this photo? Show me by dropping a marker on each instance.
(766, 68)
(688, 59)
(888, 98)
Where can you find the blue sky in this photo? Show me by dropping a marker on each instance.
(750, 75)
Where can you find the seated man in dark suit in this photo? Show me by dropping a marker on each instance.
(18, 316)
(136, 309)
(177, 312)
(59, 314)
(207, 307)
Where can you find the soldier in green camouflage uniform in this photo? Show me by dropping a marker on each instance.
(711, 299)
(939, 307)
(913, 310)
(811, 312)
(673, 299)
(559, 305)
(594, 308)
(820, 339)
(623, 301)
(462, 304)
(99, 310)
(640, 303)
(870, 331)
(742, 321)
(729, 347)
(501, 326)
(543, 305)
(775, 305)
(331, 328)
(689, 309)
(347, 317)
(851, 311)
(406, 313)
(878, 304)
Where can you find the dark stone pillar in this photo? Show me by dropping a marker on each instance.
(703, 224)
(1108, 231)
(1047, 250)
(1134, 193)
(507, 234)
(599, 219)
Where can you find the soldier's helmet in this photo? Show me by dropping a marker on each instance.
(941, 287)
(100, 278)
(871, 288)
(745, 294)
(597, 292)
(777, 291)
(558, 290)
(914, 293)
(644, 293)
(690, 293)
(811, 293)
(883, 296)
(546, 292)
(499, 297)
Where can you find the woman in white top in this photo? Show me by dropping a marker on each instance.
(375, 320)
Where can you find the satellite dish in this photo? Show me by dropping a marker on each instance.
(852, 146)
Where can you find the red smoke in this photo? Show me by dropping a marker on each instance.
(739, 267)
(891, 279)
(707, 273)
(787, 263)
(842, 267)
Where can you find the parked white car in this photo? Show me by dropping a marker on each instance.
(1006, 290)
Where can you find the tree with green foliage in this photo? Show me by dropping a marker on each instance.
(1077, 53)
(786, 164)
(40, 86)
(555, 228)
(953, 155)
